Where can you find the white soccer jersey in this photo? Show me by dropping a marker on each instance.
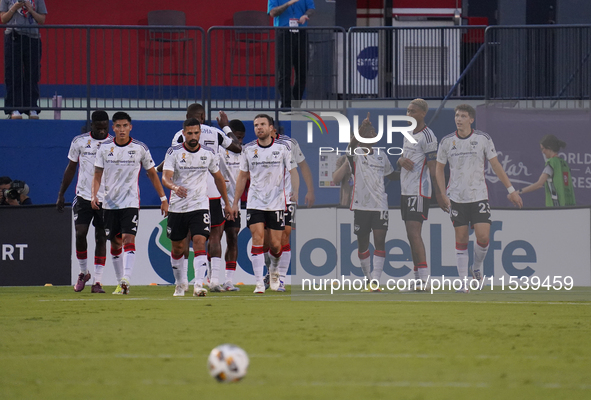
(467, 158)
(230, 167)
(296, 157)
(121, 167)
(191, 169)
(267, 166)
(83, 151)
(369, 192)
(178, 138)
(418, 181)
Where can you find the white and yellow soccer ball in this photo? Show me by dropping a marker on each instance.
(227, 363)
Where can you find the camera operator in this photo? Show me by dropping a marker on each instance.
(13, 193)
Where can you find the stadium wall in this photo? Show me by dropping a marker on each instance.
(521, 244)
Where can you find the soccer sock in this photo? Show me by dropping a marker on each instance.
(185, 269)
(480, 251)
(267, 257)
(99, 267)
(258, 263)
(365, 263)
(416, 270)
(275, 258)
(128, 259)
(422, 271)
(215, 263)
(200, 266)
(117, 263)
(284, 262)
(177, 267)
(81, 256)
(379, 256)
(230, 269)
(462, 258)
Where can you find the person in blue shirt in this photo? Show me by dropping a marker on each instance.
(291, 47)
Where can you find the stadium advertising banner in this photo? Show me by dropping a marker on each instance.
(35, 246)
(522, 243)
(517, 134)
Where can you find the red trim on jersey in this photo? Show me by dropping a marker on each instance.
(223, 222)
(121, 145)
(192, 151)
(461, 246)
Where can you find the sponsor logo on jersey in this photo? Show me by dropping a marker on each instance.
(256, 155)
(88, 144)
(183, 158)
(453, 145)
(111, 152)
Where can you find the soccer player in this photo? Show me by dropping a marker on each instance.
(82, 155)
(186, 167)
(212, 138)
(119, 159)
(265, 161)
(370, 201)
(466, 150)
(230, 168)
(277, 277)
(418, 163)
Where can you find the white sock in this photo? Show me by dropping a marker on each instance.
(416, 271)
(230, 269)
(128, 259)
(82, 261)
(379, 256)
(200, 266)
(258, 263)
(275, 258)
(215, 263)
(462, 258)
(284, 262)
(185, 270)
(99, 267)
(365, 263)
(479, 255)
(117, 263)
(422, 271)
(267, 258)
(177, 268)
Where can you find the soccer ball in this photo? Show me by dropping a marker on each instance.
(227, 363)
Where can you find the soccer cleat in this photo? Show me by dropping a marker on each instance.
(266, 280)
(16, 115)
(125, 285)
(199, 291)
(118, 290)
(81, 282)
(260, 288)
(97, 288)
(463, 290)
(274, 280)
(228, 287)
(179, 291)
(33, 115)
(281, 287)
(477, 274)
(216, 288)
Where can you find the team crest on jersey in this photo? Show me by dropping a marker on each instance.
(183, 158)
(111, 152)
(275, 154)
(203, 158)
(256, 155)
(88, 146)
(131, 153)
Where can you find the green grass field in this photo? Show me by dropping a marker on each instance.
(57, 344)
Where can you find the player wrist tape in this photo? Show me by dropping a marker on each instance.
(163, 198)
(510, 189)
(227, 129)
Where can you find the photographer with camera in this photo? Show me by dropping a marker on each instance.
(13, 193)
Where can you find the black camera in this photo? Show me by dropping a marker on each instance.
(15, 190)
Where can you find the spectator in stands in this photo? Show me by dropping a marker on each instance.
(22, 56)
(556, 176)
(342, 176)
(292, 47)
